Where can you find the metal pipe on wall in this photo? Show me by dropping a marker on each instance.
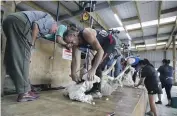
(91, 19)
(58, 11)
(165, 54)
(57, 17)
(174, 59)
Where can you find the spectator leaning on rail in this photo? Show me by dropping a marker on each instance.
(21, 30)
(59, 34)
(166, 78)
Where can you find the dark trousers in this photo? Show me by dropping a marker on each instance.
(96, 86)
(18, 50)
(168, 90)
(135, 73)
(134, 76)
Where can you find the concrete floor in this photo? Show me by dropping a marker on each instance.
(162, 109)
(166, 111)
(53, 103)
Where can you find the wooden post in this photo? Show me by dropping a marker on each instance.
(165, 54)
(174, 59)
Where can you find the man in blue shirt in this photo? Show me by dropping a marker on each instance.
(21, 30)
(134, 62)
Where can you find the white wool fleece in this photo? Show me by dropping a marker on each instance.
(77, 91)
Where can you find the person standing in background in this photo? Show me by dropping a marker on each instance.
(166, 77)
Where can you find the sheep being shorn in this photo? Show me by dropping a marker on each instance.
(77, 91)
(108, 84)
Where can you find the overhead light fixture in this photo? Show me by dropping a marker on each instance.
(150, 45)
(118, 20)
(119, 28)
(167, 20)
(133, 26)
(133, 47)
(128, 36)
(161, 43)
(144, 24)
(149, 23)
(140, 46)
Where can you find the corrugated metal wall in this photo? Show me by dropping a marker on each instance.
(156, 57)
(170, 56)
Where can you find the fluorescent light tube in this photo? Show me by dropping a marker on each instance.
(149, 23)
(128, 36)
(119, 28)
(167, 20)
(118, 20)
(133, 26)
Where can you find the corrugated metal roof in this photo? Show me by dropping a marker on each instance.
(165, 29)
(48, 5)
(168, 4)
(134, 34)
(70, 5)
(108, 17)
(148, 10)
(140, 49)
(160, 47)
(131, 22)
(150, 48)
(122, 35)
(139, 41)
(150, 41)
(98, 2)
(169, 14)
(162, 38)
(149, 31)
(126, 10)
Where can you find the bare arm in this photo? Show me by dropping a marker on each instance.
(35, 31)
(90, 37)
(140, 82)
(60, 40)
(105, 55)
(75, 63)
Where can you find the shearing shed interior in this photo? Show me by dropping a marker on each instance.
(88, 58)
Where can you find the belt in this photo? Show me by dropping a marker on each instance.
(169, 78)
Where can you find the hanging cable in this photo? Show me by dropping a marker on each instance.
(57, 17)
(57, 11)
(15, 6)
